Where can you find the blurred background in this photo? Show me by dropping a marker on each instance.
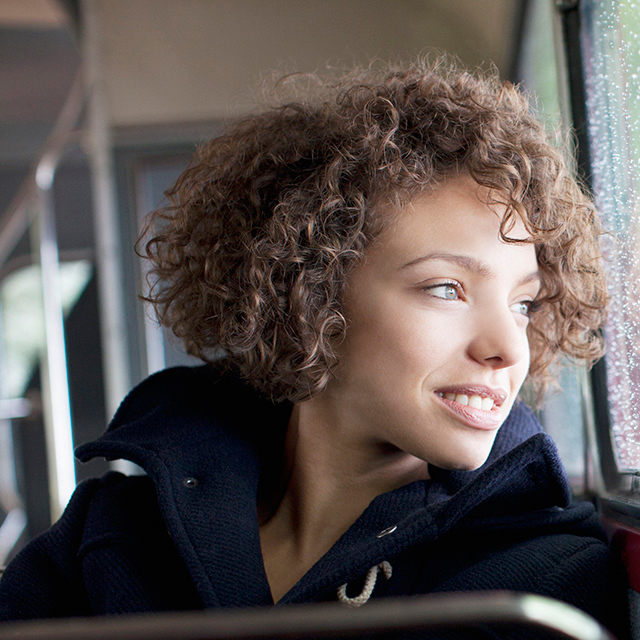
(102, 102)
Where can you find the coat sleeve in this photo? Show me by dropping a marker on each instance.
(573, 564)
(593, 580)
(44, 580)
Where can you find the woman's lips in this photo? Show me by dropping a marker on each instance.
(477, 410)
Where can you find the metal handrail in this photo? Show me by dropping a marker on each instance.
(35, 197)
(427, 613)
(14, 222)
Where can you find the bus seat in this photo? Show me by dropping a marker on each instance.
(625, 542)
(461, 613)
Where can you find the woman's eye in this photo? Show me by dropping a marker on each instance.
(446, 291)
(523, 307)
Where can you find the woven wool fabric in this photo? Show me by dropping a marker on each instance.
(186, 535)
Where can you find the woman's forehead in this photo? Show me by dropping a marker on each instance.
(447, 212)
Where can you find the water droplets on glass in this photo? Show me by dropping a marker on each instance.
(611, 46)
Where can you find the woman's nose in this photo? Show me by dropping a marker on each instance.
(499, 339)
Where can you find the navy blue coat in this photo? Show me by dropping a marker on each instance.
(186, 535)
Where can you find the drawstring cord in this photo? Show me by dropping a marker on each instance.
(369, 585)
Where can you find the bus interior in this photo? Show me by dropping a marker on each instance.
(104, 103)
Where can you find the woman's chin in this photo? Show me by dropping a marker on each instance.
(469, 462)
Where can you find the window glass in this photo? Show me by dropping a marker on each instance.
(611, 51)
(22, 345)
(562, 412)
(22, 319)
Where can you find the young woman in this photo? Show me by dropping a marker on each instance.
(372, 273)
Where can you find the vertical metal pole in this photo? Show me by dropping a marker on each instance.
(15, 521)
(57, 406)
(107, 227)
(37, 191)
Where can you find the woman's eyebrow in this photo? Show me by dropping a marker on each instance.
(468, 263)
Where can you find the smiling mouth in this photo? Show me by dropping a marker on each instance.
(474, 401)
(476, 406)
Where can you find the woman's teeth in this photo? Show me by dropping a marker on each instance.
(476, 402)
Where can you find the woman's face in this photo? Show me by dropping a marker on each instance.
(436, 348)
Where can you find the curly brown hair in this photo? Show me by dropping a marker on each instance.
(252, 255)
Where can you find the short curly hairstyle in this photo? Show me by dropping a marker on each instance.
(251, 257)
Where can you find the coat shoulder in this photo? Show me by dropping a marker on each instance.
(43, 580)
(111, 533)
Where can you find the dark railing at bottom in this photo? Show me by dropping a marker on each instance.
(453, 611)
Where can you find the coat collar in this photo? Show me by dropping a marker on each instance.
(201, 437)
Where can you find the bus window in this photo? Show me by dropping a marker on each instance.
(600, 59)
(611, 47)
(540, 68)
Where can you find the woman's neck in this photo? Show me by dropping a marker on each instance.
(331, 477)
